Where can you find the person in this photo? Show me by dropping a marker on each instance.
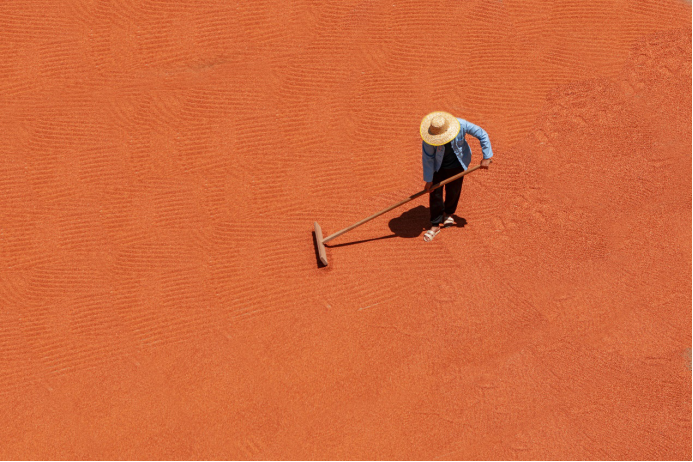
(445, 154)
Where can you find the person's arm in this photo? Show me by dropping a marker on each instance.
(428, 154)
(480, 134)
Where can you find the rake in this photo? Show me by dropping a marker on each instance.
(318, 231)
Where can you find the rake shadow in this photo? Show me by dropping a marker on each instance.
(408, 225)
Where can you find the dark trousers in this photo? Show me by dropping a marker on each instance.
(452, 194)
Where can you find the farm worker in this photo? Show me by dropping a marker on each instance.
(445, 154)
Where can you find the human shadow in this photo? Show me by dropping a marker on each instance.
(409, 224)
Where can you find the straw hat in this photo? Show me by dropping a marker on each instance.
(439, 127)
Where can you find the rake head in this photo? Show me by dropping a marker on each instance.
(318, 241)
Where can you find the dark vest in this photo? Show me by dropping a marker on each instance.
(450, 160)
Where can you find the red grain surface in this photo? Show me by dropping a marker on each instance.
(162, 165)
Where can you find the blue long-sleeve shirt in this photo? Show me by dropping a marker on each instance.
(432, 156)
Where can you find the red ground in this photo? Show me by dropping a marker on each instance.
(162, 166)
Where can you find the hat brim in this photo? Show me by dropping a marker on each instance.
(441, 138)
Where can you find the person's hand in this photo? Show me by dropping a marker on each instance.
(485, 163)
(428, 185)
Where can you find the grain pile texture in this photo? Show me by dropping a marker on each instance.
(163, 163)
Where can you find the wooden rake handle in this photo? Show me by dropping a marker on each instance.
(435, 186)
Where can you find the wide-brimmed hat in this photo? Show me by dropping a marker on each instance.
(439, 127)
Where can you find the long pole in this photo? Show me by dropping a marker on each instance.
(435, 186)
